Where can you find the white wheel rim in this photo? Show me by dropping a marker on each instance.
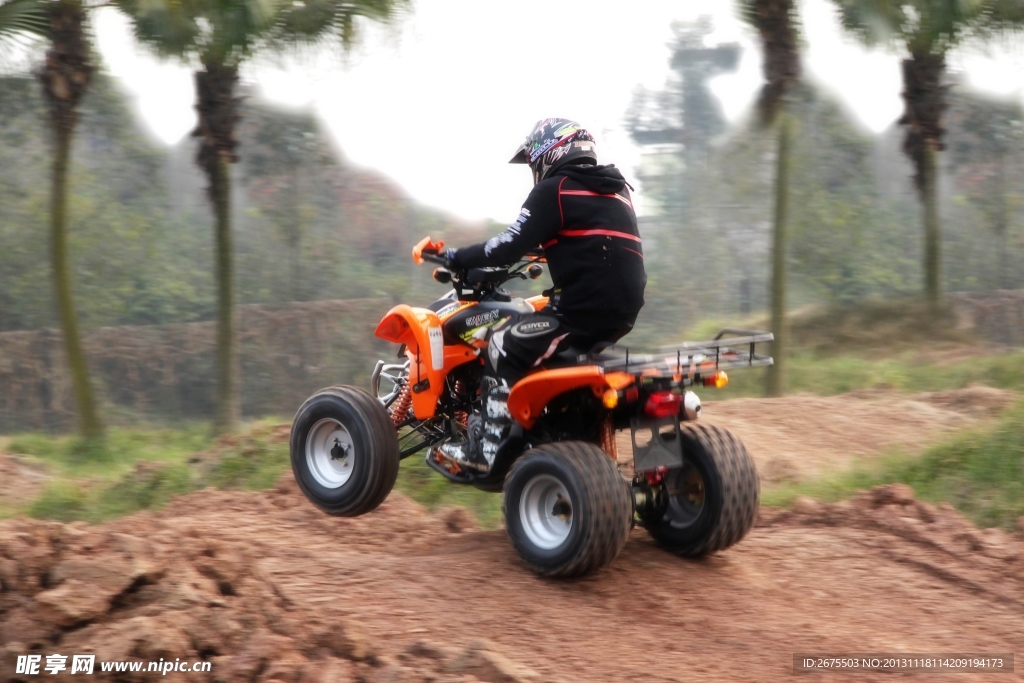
(328, 471)
(545, 511)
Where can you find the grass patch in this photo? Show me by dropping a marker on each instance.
(137, 469)
(427, 487)
(909, 372)
(981, 473)
(141, 469)
(72, 457)
(254, 463)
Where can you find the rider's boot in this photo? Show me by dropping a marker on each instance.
(485, 432)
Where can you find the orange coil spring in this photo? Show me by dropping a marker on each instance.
(461, 416)
(608, 444)
(401, 406)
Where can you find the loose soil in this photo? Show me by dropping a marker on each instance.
(267, 588)
(802, 437)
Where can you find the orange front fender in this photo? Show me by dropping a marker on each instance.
(431, 361)
(528, 397)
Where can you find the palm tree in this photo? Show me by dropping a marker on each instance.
(776, 22)
(925, 31)
(221, 35)
(65, 78)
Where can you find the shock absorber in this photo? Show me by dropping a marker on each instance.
(402, 404)
(608, 444)
(461, 416)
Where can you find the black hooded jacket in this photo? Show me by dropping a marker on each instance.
(583, 218)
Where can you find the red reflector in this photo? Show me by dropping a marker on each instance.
(663, 404)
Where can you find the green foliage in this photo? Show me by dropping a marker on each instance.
(826, 375)
(425, 486)
(120, 450)
(23, 18)
(143, 469)
(927, 26)
(981, 473)
(131, 260)
(254, 463)
(63, 501)
(140, 243)
(146, 487)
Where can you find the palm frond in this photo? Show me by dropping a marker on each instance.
(23, 18)
(315, 22)
(928, 26)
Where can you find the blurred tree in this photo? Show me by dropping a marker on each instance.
(986, 154)
(221, 35)
(925, 31)
(776, 22)
(65, 77)
(678, 127)
(132, 261)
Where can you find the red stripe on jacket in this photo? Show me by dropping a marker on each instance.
(588, 193)
(598, 231)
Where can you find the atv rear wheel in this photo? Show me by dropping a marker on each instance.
(567, 510)
(713, 499)
(344, 451)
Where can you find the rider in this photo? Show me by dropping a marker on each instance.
(582, 217)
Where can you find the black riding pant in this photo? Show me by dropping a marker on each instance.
(516, 349)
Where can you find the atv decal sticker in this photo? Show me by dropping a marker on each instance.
(534, 328)
(436, 348)
(453, 308)
(447, 310)
(483, 318)
(478, 333)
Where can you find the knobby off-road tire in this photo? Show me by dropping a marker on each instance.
(567, 510)
(353, 420)
(720, 470)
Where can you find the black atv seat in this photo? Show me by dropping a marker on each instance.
(574, 355)
(566, 357)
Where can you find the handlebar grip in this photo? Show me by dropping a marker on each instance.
(435, 258)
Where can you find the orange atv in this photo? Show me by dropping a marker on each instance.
(567, 507)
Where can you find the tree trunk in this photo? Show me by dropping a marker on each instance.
(1002, 224)
(924, 100)
(218, 118)
(90, 424)
(776, 378)
(932, 234)
(228, 413)
(65, 78)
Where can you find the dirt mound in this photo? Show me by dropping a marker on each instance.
(266, 588)
(21, 480)
(799, 437)
(191, 583)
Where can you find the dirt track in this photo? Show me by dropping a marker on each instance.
(268, 588)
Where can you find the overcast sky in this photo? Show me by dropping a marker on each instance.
(441, 102)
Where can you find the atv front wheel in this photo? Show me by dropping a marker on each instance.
(567, 510)
(712, 499)
(344, 451)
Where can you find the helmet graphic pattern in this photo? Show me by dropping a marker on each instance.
(548, 145)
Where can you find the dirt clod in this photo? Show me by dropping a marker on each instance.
(267, 588)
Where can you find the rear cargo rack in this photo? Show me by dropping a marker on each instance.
(730, 349)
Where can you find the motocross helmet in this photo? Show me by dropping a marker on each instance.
(552, 144)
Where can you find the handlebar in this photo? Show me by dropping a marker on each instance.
(480, 280)
(434, 257)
